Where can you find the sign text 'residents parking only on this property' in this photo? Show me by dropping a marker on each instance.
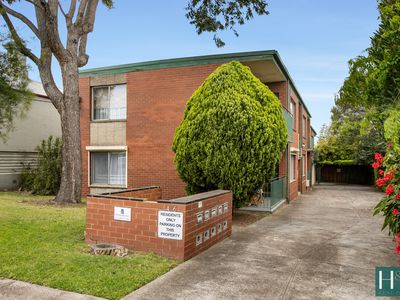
(170, 225)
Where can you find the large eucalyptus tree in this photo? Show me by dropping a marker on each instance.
(70, 54)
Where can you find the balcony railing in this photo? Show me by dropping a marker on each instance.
(289, 123)
(311, 143)
(274, 192)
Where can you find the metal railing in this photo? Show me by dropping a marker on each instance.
(274, 192)
(289, 123)
(311, 143)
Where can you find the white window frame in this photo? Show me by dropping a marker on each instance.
(292, 107)
(109, 88)
(93, 149)
(292, 174)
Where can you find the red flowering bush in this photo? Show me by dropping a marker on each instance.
(387, 172)
(388, 180)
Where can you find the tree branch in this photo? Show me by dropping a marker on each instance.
(47, 78)
(50, 18)
(86, 28)
(21, 17)
(34, 2)
(15, 36)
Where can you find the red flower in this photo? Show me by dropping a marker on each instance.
(389, 190)
(395, 212)
(397, 249)
(378, 158)
(380, 182)
(398, 236)
(397, 197)
(388, 177)
(375, 165)
(380, 172)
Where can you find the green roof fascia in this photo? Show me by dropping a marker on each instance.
(179, 62)
(313, 130)
(193, 61)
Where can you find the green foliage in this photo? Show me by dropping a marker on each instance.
(338, 162)
(15, 98)
(232, 134)
(213, 16)
(389, 206)
(383, 79)
(44, 178)
(392, 130)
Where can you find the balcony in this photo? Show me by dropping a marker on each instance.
(274, 195)
(289, 123)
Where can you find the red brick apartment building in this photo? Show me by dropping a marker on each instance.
(129, 114)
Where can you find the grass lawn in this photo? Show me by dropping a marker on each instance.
(45, 245)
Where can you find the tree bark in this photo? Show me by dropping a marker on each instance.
(71, 175)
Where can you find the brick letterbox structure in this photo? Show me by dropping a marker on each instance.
(139, 219)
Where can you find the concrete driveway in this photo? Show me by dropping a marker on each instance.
(325, 245)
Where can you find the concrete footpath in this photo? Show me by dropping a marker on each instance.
(16, 290)
(325, 245)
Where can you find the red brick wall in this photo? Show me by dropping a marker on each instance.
(141, 234)
(84, 92)
(148, 193)
(281, 88)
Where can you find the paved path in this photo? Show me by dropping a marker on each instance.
(323, 246)
(18, 290)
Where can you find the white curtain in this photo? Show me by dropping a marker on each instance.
(118, 102)
(117, 168)
(100, 103)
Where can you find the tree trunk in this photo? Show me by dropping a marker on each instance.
(71, 175)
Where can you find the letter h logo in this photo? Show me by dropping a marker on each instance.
(386, 281)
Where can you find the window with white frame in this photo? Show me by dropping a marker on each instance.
(108, 168)
(292, 167)
(109, 102)
(292, 107)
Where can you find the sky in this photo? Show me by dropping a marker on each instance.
(315, 39)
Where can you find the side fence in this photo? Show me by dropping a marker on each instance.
(345, 174)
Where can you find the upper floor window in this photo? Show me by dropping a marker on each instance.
(304, 126)
(292, 109)
(109, 102)
(292, 174)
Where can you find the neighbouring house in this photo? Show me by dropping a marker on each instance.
(39, 122)
(129, 114)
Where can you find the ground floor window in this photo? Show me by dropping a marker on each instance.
(304, 165)
(108, 168)
(292, 164)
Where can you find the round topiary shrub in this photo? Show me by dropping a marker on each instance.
(232, 135)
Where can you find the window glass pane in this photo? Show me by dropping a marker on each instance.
(292, 162)
(117, 168)
(118, 102)
(100, 103)
(99, 165)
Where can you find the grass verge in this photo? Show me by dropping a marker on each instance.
(45, 245)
